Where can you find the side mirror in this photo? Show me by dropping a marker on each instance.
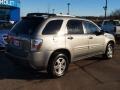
(99, 33)
(102, 31)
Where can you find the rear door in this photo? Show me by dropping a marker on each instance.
(96, 42)
(76, 40)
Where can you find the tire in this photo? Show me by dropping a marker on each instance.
(58, 65)
(109, 51)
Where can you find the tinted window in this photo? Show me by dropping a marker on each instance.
(75, 27)
(116, 23)
(52, 27)
(27, 26)
(111, 22)
(90, 27)
(108, 23)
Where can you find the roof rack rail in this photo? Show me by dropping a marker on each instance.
(62, 15)
(40, 15)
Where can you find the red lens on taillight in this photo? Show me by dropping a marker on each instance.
(9, 39)
(5, 38)
(36, 44)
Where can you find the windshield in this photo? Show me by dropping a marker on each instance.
(5, 25)
(111, 23)
(116, 23)
(27, 26)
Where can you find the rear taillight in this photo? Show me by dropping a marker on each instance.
(5, 38)
(36, 44)
(9, 39)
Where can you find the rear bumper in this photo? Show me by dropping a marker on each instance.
(18, 60)
(36, 60)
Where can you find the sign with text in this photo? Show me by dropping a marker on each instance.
(14, 3)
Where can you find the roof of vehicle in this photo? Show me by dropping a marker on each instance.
(46, 16)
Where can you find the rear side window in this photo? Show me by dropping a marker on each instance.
(52, 27)
(75, 27)
(27, 26)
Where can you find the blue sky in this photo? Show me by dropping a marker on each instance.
(78, 7)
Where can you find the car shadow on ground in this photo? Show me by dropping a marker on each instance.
(9, 70)
(23, 74)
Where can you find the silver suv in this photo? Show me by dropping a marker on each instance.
(50, 42)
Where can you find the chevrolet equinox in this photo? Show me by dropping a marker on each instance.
(51, 42)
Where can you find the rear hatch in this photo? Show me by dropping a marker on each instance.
(21, 34)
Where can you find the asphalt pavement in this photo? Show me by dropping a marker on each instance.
(90, 74)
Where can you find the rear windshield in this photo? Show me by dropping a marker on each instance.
(27, 26)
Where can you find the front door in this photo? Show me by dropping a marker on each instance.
(76, 40)
(96, 42)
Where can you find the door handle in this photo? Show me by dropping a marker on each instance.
(70, 38)
(90, 37)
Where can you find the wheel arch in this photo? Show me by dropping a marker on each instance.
(64, 51)
(112, 42)
(105, 55)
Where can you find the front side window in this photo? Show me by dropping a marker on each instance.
(52, 27)
(90, 27)
(75, 27)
